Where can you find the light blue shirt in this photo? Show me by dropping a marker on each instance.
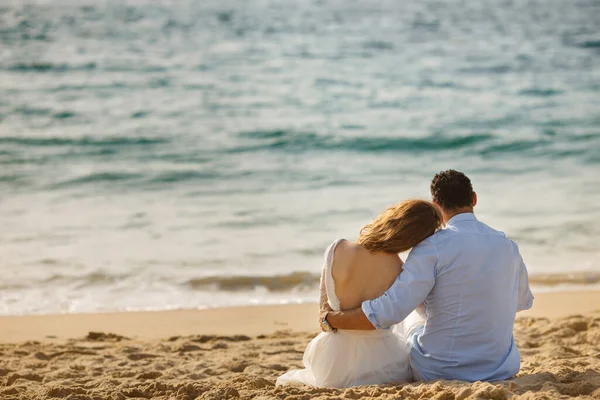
(472, 281)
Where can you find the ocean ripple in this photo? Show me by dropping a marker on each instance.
(81, 142)
(305, 142)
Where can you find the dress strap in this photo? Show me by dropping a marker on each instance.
(332, 298)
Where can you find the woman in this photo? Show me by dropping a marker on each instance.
(352, 273)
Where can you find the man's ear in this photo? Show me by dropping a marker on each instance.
(474, 199)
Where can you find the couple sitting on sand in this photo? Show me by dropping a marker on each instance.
(446, 313)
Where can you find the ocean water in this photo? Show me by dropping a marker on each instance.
(182, 154)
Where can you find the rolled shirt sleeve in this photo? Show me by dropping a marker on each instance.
(408, 291)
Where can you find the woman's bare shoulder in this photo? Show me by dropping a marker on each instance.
(377, 264)
(345, 250)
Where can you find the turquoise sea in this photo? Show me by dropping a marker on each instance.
(159, 154)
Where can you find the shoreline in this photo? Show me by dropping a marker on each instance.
(214, 292)
(251, 320)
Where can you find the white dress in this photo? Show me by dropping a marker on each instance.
(348, 357)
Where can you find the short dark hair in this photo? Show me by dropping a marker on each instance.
(451, 190)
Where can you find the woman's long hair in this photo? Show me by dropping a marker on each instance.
(401, 227)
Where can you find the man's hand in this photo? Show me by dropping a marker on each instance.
(323, 310)
(323, 322)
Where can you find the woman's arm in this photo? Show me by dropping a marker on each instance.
(323, 300)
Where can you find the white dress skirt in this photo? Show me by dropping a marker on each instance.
(351, 358)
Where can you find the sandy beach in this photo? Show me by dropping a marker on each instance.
(234, 353)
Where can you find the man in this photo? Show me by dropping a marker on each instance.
(466, 281)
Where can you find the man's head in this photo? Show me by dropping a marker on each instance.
(453, 192)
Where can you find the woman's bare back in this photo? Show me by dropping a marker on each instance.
(360, 275)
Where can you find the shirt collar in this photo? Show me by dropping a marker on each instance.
(462, 217)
